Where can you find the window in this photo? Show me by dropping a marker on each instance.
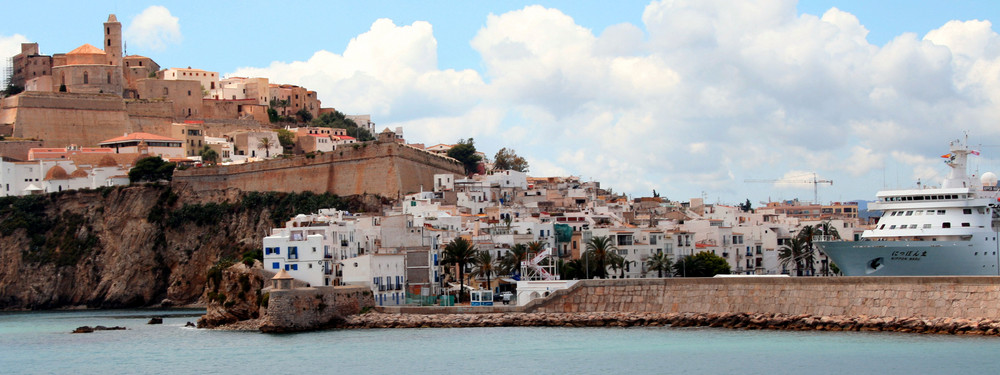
(927, 226)
(946, 225)
(275, 265)
(909, 213)
(892, 227)
(913, 226)
(965, 224)
(940, 212)
(293, 252)
(967, 211)
(86, 78)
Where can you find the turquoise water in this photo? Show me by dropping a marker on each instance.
(41, 343)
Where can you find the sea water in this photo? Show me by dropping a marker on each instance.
(41, 342)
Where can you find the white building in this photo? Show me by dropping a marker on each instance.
(385, 274)
(311, 247)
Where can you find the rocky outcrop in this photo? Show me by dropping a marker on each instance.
(233, 294)
(135, 246)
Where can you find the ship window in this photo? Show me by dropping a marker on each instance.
(965, 224)
(940, 212)
(882, 227)
(913, 226)
(909, 213)
(967, 211)
(892, 227)
(927, 226)
(946, 225)
(930, 212)
(919, 213)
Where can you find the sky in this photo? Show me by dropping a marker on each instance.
(689, 98)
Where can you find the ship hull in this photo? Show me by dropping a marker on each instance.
(913, 258)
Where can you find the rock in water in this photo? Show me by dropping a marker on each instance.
(84, 329)
(156, 320)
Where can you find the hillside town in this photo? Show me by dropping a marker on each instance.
(86, 118)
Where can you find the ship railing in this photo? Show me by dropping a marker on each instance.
(825, 238)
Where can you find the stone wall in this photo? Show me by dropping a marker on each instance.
(304, 309)
(61, 119)
(18, 149)
(926, 297)
(388, 169)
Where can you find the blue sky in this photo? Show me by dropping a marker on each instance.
(685, 97)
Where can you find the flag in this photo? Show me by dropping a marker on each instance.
(946, 156)
(974, 152)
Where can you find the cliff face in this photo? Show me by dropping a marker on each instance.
(131, 247)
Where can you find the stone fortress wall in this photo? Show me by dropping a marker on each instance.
(61, 119)
(921, 297)
(303, 309)
(383, 167)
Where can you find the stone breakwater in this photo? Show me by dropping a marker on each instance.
(749, 321)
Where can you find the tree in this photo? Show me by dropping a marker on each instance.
(793, 253)
(264, 143)
(459, 252)
(465, 153)
(806, 234)
(745, 207)
(510, 264)
(338, 120)
(507, 159)
(209, 155)
(660, 262)
(486, 266)
(599, 250)
(151, 168)
(304, 115)
(287, 140)
(703, 264)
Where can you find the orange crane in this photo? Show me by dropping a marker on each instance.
(815, 182)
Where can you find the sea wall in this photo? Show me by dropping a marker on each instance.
(304, 309)
(901, 297)
(387, 169)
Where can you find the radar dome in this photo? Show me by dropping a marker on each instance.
(989, 179)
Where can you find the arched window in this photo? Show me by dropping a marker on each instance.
(86, 78)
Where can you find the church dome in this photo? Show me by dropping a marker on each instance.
(56, 173)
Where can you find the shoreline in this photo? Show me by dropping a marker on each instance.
(746, 321)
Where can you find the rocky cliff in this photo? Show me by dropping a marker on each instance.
(135, 246)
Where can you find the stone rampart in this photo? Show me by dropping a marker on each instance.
(304, 309)
(17, 149)
(388, 169)
(921, 297)
(61, 119)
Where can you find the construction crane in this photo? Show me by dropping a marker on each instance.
(815, 182)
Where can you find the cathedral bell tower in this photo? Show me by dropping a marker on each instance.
(113, 48)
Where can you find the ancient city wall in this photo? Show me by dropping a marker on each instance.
(150, 116)
(304, 309)
(61, 119)
(926, 297)
(387, 169)
(18, 149)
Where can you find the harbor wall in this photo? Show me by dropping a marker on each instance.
(923, 297)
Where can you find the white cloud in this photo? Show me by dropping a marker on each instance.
(702, 95)
(155, 28)
(11, 45)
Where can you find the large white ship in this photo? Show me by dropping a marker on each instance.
(951, 230)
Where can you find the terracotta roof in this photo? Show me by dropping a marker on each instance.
(56, 173)
(140, 137)
(86, 49)
(78, 173)
(282, 275)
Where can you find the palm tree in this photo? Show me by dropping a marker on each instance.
(511, 262)
(660, 262)
(806, 234)
(459, 252)
(599, 250)
(793, 252)
(485, 266)
(828, 230)
(264, 143)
